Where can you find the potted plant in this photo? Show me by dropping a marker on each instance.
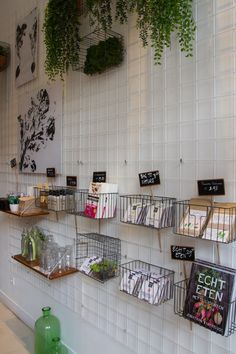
(156, 21)
(4, 56)
(106, 54)
(13, 201)
(61, 36)
(104, 270)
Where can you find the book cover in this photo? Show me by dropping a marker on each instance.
(210, 290)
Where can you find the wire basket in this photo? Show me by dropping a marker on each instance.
(92, 39)
(180, 296)
(98, 256)
(147, 282)
(199, 218)
(4, 55)
(145, 210)
(55, 198)
(94, 205)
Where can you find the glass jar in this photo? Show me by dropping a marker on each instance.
(58, 347)
(46, 327)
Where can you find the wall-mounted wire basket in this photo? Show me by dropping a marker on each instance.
(55, 198)
(91, 41)
(98, 256)
(4, 55)
(201, 219)
(145, 210)
(94, 205)
(147, 282)
(180, 294)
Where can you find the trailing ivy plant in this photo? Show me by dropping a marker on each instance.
(61, 36)
(156, 21)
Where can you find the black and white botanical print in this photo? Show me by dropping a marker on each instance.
(26, 48)
(39, 122)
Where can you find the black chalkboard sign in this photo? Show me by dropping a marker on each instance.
(51, 172)
(149, 178)
(211, 187)
(13, 163)
(182, 253)
(71, 181)
(99, 177)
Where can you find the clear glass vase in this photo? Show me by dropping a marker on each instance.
(47, 327)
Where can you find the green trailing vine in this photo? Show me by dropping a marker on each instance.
(156, 21)
(61, 36)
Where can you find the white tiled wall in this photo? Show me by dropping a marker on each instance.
(178, 118)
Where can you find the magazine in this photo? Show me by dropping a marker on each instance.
(210, 291)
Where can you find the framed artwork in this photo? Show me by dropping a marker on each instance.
(26, 58)
(39, 133)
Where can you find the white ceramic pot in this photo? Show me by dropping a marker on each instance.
(14, 208)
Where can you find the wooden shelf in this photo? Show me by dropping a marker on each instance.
(34, 265)
(27, 214)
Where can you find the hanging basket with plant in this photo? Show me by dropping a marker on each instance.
(61, 36)
(156, 21)
(4, 55)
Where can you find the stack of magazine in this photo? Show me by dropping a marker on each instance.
(156, 214)
(148, 286)
(210, 296)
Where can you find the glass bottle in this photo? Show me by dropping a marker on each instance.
(24, 244)
(46, 327)
(58, 347)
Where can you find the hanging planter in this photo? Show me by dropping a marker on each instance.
(99, 51)
(4, 55)
(61, 36)
(156, 21)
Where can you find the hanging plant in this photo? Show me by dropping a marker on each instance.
(104, 55)
(156, 21)
(61, 31)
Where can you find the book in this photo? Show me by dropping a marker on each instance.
(195, 217)
(210, 292)
(101, 200)
(221, 224)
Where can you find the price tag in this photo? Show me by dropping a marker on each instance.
(211, 187)
(51, 172)
(99, 177)
(149, 178)
(71, 181)
(182, 253)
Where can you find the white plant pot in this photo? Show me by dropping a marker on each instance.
(14, 208)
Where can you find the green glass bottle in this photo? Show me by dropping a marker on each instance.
(58, 347)
(46, 327)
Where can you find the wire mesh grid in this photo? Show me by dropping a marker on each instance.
(146, 210)
(147, 282)
(55, 198)
(180, 299)
(93, 39)
(215, 222)
(98, 256)
(94, 205)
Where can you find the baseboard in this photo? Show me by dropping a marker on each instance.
(17, 310)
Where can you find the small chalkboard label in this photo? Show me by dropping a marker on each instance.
(51, 172)
(182, 253)
(13, 163)
(99, 177)
(71, 181)
(211, 187)
(149, 178)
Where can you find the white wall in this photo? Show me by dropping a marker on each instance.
(152, 117)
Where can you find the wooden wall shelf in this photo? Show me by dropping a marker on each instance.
(34, 265)
(27, 214)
